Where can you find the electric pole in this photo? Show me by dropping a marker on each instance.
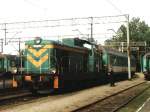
(128, 48)
(91, 28)
(5, 31)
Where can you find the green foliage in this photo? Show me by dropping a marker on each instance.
(139, 31)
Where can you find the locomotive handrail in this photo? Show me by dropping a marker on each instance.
(56, 61)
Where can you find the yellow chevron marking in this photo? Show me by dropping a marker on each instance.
(39, 52)
(37, 63)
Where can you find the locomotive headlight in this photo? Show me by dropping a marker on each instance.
(14, 70)
(38, 40)
(53, 70)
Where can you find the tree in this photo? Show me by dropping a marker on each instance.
(139, 31)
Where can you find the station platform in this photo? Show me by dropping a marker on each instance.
(71, 101)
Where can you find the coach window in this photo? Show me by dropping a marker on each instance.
(111, 59)
(1, 63)
(115, 61)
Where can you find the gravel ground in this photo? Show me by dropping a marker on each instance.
(69, 102)
(115, 102)
(139, 104)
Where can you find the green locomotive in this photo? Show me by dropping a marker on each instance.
(53, 65)
(145, 64)
(8, 71)
(50, 65)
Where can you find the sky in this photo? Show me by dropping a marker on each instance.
(17, 10)
(26, 10)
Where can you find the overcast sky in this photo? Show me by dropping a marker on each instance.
(16, 10)
(24, 10)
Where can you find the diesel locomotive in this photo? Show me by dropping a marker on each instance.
(8, 71)
(50, 65)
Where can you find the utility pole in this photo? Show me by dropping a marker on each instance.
(91, 28)
(122, 46)
(2, 45)
(145, 47)
(20, 56)
(128, 48)
(5, 30)
(19, 46)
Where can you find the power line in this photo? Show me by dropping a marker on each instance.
(69, 22)
(65, 19)
(114, 6)
(60, 23)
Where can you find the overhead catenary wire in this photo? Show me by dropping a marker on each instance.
(66, 22)
(66, 19)
(22, 24)
(114, 6)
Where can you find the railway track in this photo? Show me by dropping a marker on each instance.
(116, 101)
(15, 98)
(13, 95)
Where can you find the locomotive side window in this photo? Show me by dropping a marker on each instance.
(72, 63)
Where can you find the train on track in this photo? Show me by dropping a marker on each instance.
(8, 71)
(52, 65)
(145, 64)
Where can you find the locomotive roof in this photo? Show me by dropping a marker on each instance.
(63, 42)
(32, 42)
(57, 43)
